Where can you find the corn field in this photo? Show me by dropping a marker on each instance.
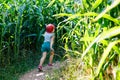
(87, 30)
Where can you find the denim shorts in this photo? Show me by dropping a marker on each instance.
(45, 47)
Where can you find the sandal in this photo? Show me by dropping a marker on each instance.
(40, 68)
(50, 64)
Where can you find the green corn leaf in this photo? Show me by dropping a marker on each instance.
(105, 54)
(85, 4)
(62, 15)
(111, 18)
(110, 33)
(96, 4)
(114, 4)
(6, 5)
(73, 16)
(87, 38)
(51, 3)
(30, 35)
(95, 14)
(6, 28)
(21, 9)
(40, 35)
(61, 1)
(106, 34)
(116, 49)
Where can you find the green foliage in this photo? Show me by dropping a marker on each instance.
(106, 34)
(93, 34)
(114, 4)
(96, 4)
(13, 71)
(88, 30)
(22, 23)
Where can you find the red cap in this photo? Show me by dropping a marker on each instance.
(49, 28)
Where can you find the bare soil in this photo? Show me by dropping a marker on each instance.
(35, 75)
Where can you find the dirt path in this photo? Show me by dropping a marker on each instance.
(35, 75)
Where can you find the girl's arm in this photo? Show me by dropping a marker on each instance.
(52, 42)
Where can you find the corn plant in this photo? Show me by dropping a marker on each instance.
(22, 24)
(88, 32)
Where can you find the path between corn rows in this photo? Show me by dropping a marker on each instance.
(35, 75)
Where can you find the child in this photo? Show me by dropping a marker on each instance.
(47, 45)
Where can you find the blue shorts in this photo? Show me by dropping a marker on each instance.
(45, 47)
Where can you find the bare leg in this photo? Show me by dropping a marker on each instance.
(43, 58)
(51, 57)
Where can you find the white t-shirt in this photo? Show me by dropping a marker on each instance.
(47, 36)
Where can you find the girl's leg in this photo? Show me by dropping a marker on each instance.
(43, 58)
(51, 57)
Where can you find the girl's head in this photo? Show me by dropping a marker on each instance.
(50, 28)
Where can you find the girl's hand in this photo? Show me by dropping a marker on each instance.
(51, 43)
